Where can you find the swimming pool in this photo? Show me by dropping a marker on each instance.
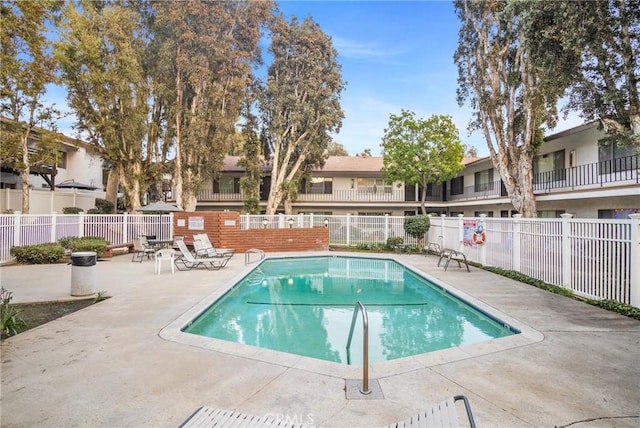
(304, 306)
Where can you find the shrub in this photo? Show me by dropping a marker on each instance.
(9, 316)
(51, 252)
(71, 210)
(104, 206)
(417, 226)
(87, 243)
(392, 241)
(94, 211)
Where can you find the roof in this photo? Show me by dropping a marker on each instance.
(334, 164)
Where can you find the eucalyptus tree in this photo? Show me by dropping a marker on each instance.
(421, 151)
(101, 51)
(511, 97)
(27, 67)
(253, 162)
(300, 105)
(594, 47)
(205, 54)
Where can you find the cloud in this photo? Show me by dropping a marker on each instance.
(368, 51)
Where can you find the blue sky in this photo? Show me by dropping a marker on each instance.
(394, 55)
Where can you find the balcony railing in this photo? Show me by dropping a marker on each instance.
(355, 195)
(600, 174)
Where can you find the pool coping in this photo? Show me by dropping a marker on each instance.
(526, 336)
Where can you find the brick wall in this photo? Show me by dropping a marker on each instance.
(223, 229)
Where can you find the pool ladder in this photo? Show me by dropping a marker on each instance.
(365, 345)
(247, 255)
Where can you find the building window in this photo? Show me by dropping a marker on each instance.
(319, 185)
(615, 158)
(457, 185)
(550, 213)
(373, 185)
(620, 213)
(62, 160)
(226, 185)
(549, 167)
(484, 180)
(487, 213)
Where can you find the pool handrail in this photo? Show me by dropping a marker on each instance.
(365, 345)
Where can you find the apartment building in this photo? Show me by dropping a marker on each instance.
(574, 173)
(77, 165)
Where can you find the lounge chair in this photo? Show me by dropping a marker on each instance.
(442, 415)
(204, 247)
(140, 251)
(187, 261)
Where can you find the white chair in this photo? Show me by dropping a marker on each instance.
(166, 254)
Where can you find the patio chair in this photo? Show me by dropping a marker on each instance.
(140, 251)
(166, 254)
(441, 415)
(187, 261)
(204, 247)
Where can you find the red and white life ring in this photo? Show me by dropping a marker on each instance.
(479, 238)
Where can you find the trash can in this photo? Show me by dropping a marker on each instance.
(83, 273)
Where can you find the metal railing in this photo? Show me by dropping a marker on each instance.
(365, 345)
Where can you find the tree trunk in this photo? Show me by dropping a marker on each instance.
(129, 179)
(113, 183)
(24, 172)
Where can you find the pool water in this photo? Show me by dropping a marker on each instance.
(305, 306)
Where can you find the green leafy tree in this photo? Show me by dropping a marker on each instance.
(594, 48)
(336, 149)
(300, 105)
(512, 98)
(421, 151)
(101, 50)
(27, 67)
(252, 161)
(417, 226)
(205, 54)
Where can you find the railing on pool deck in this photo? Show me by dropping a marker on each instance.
(365, 345)
(247, 255)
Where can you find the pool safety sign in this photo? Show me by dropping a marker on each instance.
(472, 233)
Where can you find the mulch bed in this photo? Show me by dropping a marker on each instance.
(35, 314)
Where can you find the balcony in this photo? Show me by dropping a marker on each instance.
(616, 172)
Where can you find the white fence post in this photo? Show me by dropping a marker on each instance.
(80, 224)
(515, 242)
(441, 236)
(460, 232)
(483, 247)
(54, 221)
(301, 220)
(17, 219)
(386, 227)
(634, 276)
(566, 250)
(311, 220)
(280, 221)
(348, 229)
(125, 228)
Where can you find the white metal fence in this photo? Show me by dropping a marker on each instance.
(594, 258)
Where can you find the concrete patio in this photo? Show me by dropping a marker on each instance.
(111, 365)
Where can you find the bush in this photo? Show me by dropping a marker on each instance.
(94, 211)
(104, 206)
(87, 243)
(417, 226)
(392, 241)
(51, 252)
(71, 210)
(10, 317)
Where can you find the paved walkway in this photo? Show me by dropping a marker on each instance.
(108, 366)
